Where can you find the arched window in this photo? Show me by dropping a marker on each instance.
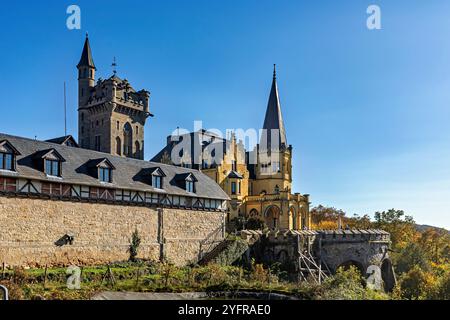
(127, 140)
(277, 189)
(118, 146)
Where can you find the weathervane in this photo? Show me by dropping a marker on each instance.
(114, 65)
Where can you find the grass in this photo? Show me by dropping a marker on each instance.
(154, 277)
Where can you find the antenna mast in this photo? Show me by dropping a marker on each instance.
(65, 110)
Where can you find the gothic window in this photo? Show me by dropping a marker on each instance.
(118, 125)
(275, 167)
(128, 139)
(82, 116)
(118, 146)
(91, 74)
(137, 130)
(82, 130)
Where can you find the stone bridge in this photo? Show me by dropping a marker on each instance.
(324, 251)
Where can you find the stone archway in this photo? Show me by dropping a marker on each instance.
(272, 216)
(387, 274)
(253, 213)
(349, 263)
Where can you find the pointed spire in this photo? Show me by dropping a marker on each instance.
(274, 118)
(86, 56)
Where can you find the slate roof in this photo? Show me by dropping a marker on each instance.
(64, 140)
(86, 56)
(274, 118)
(129, 173)
(234, 174)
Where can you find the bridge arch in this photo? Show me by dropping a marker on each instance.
(349, 263)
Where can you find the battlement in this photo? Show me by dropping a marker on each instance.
(326, 236)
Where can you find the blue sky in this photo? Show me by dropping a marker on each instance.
(366, 111)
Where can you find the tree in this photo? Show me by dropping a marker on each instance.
(400, 226)
(322, 213)
(409, 257)
(417, 284)
(134, 246)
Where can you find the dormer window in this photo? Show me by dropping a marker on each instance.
(53, 168)
(105, 175)
(156, 177)
(102, 169)
(50, 162)
(7, 156)
(190, 186)
(187, 181)
(157, 182)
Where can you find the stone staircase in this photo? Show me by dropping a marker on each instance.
(224, 252)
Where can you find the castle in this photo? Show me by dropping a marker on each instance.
(259, 182)
(111, 114)
(112, 117)
(66, 202)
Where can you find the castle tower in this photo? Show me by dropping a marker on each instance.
(111, 114)
(86, 73)
(274, 165)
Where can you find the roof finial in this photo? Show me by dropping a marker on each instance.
(274, 71)
(114, 65)
(87, 35)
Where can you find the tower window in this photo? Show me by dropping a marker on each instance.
(97, 143)
(118, 146)
(82, 117)
(118, 125)
(137, 130)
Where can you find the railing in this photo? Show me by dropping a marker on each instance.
(211, 241)
(273, 197)
(5, 292)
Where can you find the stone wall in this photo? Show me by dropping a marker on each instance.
(29, 229)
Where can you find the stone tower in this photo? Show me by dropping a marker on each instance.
(274, 155)
(111, 114)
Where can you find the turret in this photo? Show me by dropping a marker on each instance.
(86, 74)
